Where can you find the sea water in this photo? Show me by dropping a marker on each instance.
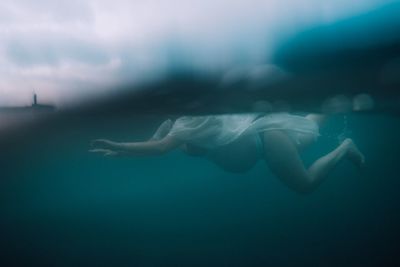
(63, 206)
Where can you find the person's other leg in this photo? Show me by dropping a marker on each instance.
(282, 156)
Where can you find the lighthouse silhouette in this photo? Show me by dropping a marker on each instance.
(37, 106)
(34, 103)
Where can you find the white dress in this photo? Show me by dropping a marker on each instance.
(218, 130)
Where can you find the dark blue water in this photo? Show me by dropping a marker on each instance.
(62, 206)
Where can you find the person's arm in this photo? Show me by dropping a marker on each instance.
(151, 147)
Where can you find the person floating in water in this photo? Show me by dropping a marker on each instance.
(236, 142)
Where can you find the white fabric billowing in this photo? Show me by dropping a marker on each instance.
(218, 130)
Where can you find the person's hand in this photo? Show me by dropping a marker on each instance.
(104, 147)
(103, 144)
(105, 152)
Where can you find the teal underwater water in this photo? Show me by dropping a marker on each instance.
(62, 206)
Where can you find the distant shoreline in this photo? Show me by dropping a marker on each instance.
(37, 107)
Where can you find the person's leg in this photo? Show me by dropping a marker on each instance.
(283, 158)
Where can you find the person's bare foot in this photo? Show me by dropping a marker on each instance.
(354, 154)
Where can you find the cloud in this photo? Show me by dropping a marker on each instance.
(69, 49)
(53, 51)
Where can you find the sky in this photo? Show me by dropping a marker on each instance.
(69, 50)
